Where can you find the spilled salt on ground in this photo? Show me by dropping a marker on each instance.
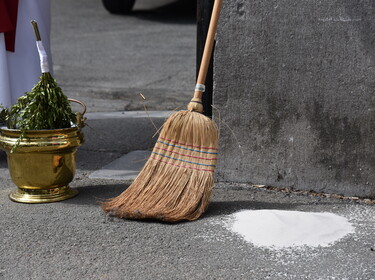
(282, 229)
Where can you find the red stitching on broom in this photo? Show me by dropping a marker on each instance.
(208, 148)
(199, 169)
(185, 155)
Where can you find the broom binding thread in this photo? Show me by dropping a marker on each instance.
(200, 87)
(185, 144)
(174, 153)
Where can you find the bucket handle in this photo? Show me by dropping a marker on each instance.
(80, 118)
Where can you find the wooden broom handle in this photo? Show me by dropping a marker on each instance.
(36, 30)
(196, 103)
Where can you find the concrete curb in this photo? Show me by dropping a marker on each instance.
(125, 168)
(122, 132)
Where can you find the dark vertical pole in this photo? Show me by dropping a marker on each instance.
(204, 9)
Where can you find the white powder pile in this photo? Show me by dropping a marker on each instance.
(281, 229)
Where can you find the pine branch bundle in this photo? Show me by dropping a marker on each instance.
(44, 107)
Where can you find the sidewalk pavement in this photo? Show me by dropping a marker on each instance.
(74, 239)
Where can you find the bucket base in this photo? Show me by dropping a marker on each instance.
(42, 195)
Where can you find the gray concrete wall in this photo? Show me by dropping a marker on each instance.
(294, 91)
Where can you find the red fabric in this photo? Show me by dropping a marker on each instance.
(8, 22)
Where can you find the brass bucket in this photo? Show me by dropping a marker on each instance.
(43, 164)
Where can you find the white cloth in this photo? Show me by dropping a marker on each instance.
(20, 70)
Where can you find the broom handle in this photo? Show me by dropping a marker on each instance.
(36, 30)
(196, 103)
(42, 53)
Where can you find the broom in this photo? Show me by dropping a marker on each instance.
(176, 182)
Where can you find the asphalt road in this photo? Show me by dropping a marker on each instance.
(73, 239)
(106, 60)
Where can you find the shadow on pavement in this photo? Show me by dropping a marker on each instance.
(93, 195)
(3, 159)
(180, 12)
(218, 208)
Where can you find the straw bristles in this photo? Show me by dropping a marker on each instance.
(176, 182)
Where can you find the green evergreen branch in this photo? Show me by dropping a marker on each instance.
(44, 107)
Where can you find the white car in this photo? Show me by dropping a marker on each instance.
(118, 6)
